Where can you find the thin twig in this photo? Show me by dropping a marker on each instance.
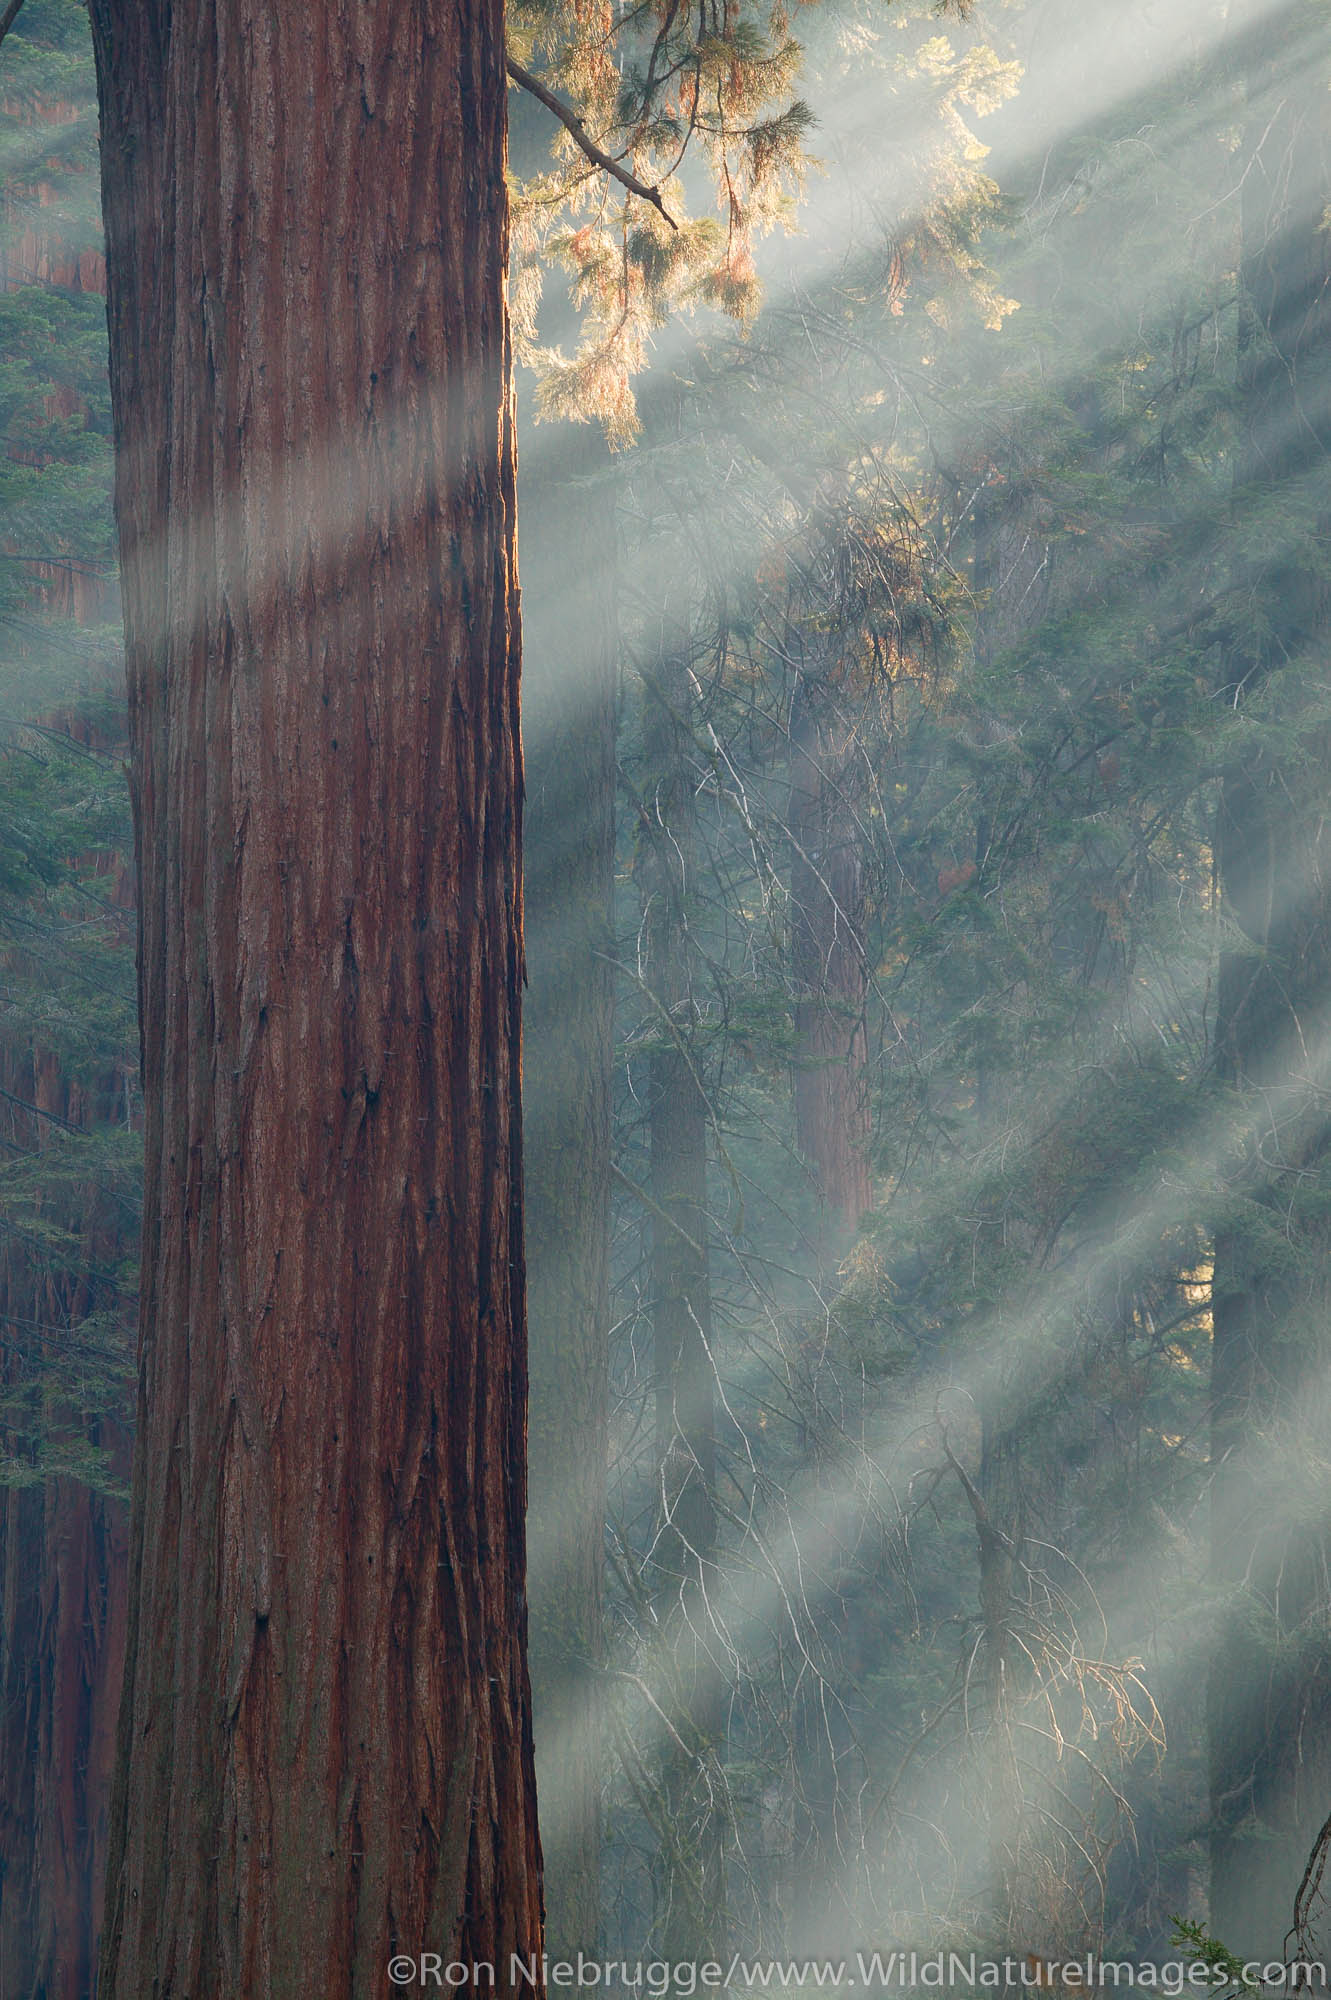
(1299, 1932)
(571, 122)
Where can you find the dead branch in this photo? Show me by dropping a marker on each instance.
(572, 124)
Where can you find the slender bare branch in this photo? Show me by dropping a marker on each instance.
(571, 122)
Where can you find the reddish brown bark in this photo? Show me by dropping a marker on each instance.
(62, 1604)
(30, 252)
(325, 1750)
(63, 1549)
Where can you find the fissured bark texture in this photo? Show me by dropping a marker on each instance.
(325, 1747)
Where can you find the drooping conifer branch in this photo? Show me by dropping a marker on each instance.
(571, 122)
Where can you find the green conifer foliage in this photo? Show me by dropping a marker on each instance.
(69, 1150)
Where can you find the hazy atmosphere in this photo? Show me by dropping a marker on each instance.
(665, 997)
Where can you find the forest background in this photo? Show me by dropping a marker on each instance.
(925, 598)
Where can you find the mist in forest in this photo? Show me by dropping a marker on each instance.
(939, 594)
(927, 1022)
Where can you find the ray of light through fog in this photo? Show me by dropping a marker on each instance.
(1099, 60)
(290, 518)
(1097, 65)
(748, 1595)
(1081, 62)
(311, 502)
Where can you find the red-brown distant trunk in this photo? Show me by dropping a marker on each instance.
(325, 1745)
(828, 966)
(62, 1604)
(32, 253)
(63, 1549)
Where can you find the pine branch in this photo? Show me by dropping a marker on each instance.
(571, 122)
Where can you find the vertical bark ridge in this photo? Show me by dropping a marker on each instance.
(325, 1743)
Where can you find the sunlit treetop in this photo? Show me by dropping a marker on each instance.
(654, 85)
(679, 138)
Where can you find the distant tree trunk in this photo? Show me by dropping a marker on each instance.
(62, 1629)
(828, 964)
(570, 645)
(1270, 1686)
(692, 1907)
(63, 1554)
(325, 1746)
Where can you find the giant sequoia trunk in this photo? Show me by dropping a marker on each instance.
(569, 679)
(1270, 1691)
(325, 1749)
